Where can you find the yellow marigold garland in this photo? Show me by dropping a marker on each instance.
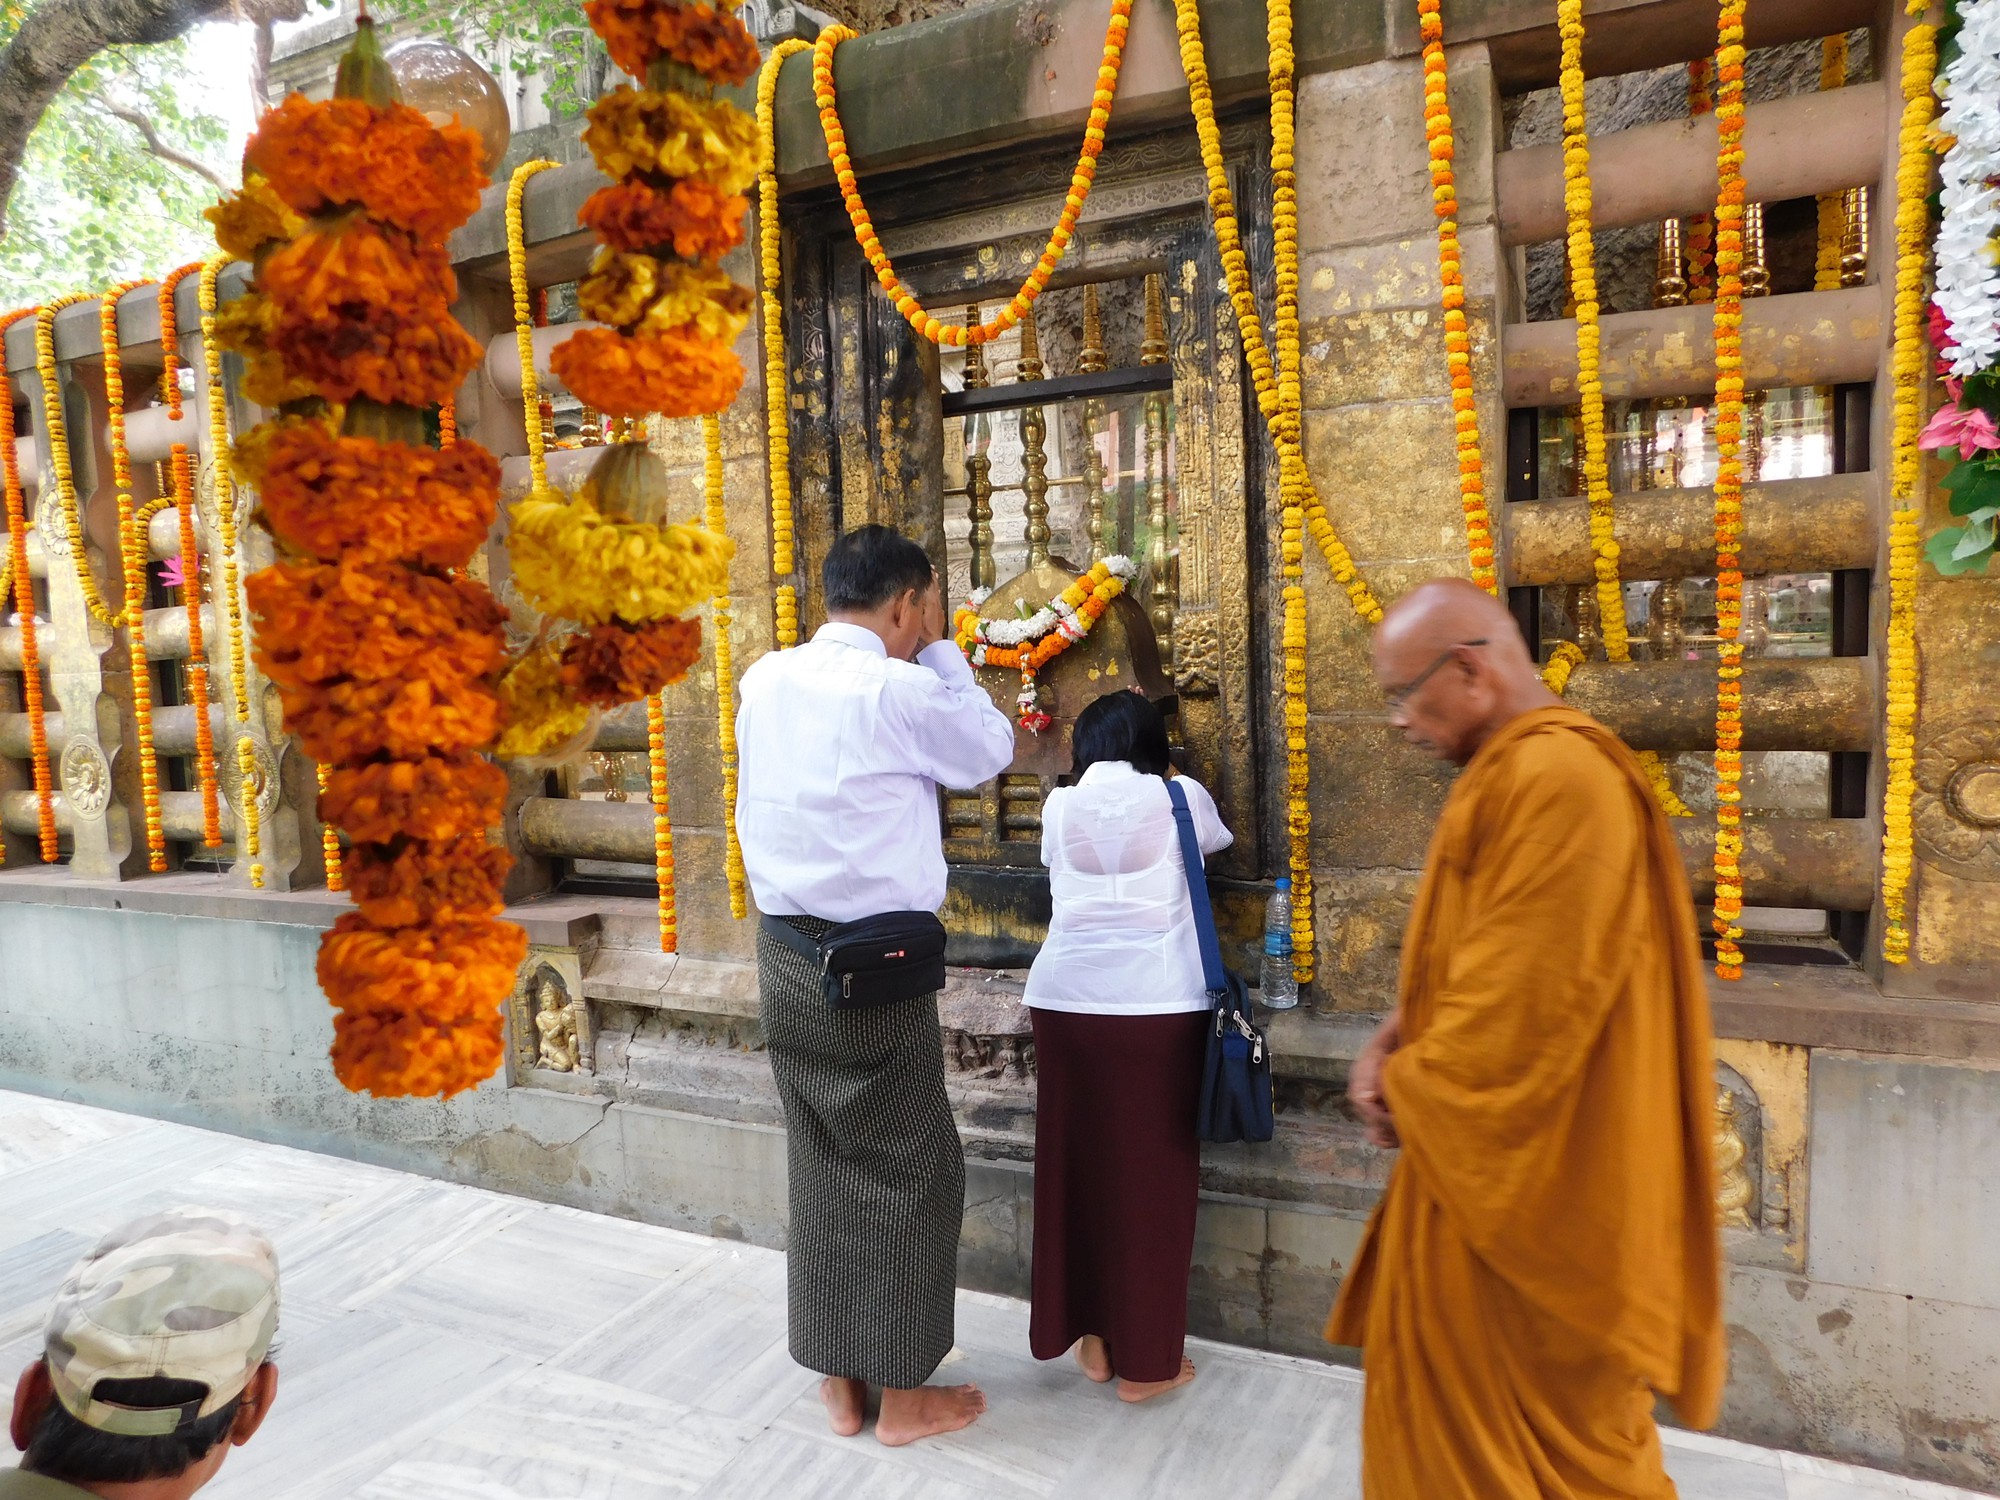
(232, 595)
(716, 519)
(663, 823)
(573, 561)
(132, 555)
(524, 324)
(329, 840)
(180, 466)
(1913, 172)
(1564, 660)
(1832, 216)
(1243, 297)
(1701, 227)
(1728, 321)
(57, 422)
(24, 604)
(1451, 277)
(957, 334)
(777, 413)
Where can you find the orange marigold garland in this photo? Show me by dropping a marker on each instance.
(1451, 277)
(905, 300)
(180, 466)
(132, 555)
(1700, 237)
(24, 607)
(386, 664)
(663, 824)
(1729, 55)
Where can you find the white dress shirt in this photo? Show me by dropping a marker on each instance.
(1122, 939)
(843, 752)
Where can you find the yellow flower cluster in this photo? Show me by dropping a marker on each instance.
(1451, 278)
(1565, 659)
(524, 324)
(251, 218)
(540, 712)
(573, 561)
(1236, 265)
(663, 823)
(777, 411)
(671, 134)
(232, 596)
(1728, 323)
(714, 516)
(247, 803)
(644, 294)
(329, 841)
(1583, 282)
(1913, 176)
(1832, 218)
(133, 552)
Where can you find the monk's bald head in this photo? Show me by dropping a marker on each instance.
(1454, 668)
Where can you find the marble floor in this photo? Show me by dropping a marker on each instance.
(445, 1343)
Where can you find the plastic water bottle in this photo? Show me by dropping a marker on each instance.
(1280, 985)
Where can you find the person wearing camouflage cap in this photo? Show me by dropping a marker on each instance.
(156, 1362)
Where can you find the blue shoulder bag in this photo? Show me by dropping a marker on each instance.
(1236, 1076)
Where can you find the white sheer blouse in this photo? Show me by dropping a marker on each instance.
(1122, 940)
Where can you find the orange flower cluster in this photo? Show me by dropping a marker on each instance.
(23, 590)
(670, 374)
(362, 310)
(694, 220)
(386, 664)
(320, 157)
(612, 664)
(361, 501)
(679, 164)
(245, 327)
(709, 40)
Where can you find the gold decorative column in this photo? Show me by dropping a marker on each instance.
(1756, 606)
(1034, 447)
(978, 469)
(1090, 361)
(1854, 237)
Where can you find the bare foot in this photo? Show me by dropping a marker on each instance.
(846, 1404)
(1094, 1358)
(1146, 1390)
(926, 1412)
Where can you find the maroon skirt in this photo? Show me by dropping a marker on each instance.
(1117, 1171)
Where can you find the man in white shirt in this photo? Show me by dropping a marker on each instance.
(845, 742)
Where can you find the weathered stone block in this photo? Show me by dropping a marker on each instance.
(689, 1172)
(1387, 472)
(1339, 674)
(1225, 1287)
(996, 1240)
(1954, 1393)
(1359, 918)
(1903, 1188)
(1375, 798)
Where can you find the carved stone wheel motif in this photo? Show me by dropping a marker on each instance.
(86, 779)
(263, 776)
(1957, 807)
(205, 501)
(48, 523)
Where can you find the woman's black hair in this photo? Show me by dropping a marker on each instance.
(1121, 726)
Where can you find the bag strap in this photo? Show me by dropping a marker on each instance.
(1213, 974)
(784, 932)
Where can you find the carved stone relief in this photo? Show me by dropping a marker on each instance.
(1759, 1130)
(548, 1018)
(1006, 1056)
(1957, 806)
(86, 779)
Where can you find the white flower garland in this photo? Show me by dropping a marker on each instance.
(1968, 279)
(1057, 615)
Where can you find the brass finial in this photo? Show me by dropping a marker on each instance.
(1091, 360)
(1670, 286)
(1154, 350)
(1854, 237)
(1029, 366)
(1756, 271)
(589, 434)
(976, 378)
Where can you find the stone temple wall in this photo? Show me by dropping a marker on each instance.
(1856, 1107)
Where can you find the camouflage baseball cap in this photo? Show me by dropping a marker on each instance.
(190, 1294)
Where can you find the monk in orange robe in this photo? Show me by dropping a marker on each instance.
(1545, 1259)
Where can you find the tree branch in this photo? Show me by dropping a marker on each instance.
(167, 153)
(57, 37)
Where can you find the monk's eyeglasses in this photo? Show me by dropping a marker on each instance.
(1396, 698)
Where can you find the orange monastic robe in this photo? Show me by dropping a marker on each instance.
(1546, 1256)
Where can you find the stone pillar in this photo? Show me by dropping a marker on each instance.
(1379, 438)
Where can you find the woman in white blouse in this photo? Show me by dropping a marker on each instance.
(1120, 1013)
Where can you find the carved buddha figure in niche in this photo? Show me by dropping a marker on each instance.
(556, 1022)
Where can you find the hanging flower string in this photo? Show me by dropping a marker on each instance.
(1701, 226)
(663, 823)
(1728, 321)
(180, 469)
(525, 322)
(957, 335)
(1451, 277)
(56, 421)
(24, 613)
(715, 517)
(1913, 172)
(777, 411)
(1029, 644)
(232, 598)
(133, 552)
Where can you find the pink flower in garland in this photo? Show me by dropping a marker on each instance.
(171, 574)
(1968, 429)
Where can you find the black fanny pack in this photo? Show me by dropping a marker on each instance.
(875, 961)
